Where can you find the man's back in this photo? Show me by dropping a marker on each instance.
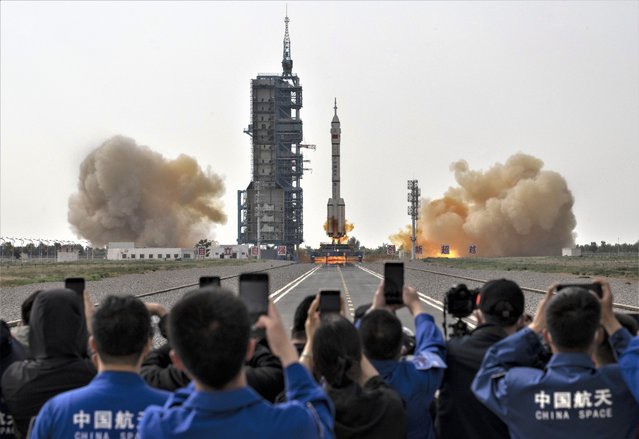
(242, 413)
(569, 399)
(459, 413)
(111, 404)
(417, 381)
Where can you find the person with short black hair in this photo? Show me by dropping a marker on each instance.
(365, 406)
(58, 339)
(210, 336)
(114, 400)
(298, 332)
(263, 369)
(570, 398)
(459, 413)
(417, 380)
(605, 354)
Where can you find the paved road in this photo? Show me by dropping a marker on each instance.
(357, 285)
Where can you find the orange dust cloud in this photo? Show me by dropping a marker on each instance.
(512, 209)
(127, 192)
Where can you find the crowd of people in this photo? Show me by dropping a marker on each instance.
(73, 370)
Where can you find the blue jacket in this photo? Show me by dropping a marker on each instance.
(417, 380)
(629, 364)
(242, 413)
(112, 403)
(571, 398)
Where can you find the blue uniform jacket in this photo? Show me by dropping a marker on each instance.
(242, 413)
(111, 404)
(629, 364)
(417, 380)
(571, 398)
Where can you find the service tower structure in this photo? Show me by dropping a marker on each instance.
(336, 208)
(270, 209)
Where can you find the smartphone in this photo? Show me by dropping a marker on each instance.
(254, 293)
(209, 280)
(592, 287)
(329, 302)
(76, 284)
(394, 283)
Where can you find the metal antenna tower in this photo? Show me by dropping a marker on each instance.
(413, 211)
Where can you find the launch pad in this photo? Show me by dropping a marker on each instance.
(335, 254)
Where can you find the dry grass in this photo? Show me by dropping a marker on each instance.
(624, 267)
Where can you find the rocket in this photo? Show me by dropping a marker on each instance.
(336, 209)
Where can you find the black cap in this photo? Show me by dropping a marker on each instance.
(501, 298)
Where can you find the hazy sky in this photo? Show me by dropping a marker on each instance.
(419, 85)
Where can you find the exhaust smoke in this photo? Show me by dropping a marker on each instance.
(512, 209)
(127, 192)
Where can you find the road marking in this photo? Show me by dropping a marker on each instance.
(347, 294)
(430, 301)
(289, 287)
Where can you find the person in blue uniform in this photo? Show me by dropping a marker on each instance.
(113, 402)
(417, 380)
(629, 364)
(570, 398)
(210, 336)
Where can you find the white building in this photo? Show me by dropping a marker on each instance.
(570, 251)
(117, 251)
(229, 252)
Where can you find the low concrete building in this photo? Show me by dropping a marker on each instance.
(571, 251)
(229, 252)
(117, 251)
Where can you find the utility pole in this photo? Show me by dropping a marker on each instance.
(413, 211)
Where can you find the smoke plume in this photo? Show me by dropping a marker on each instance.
(127, 192)
(514, 209)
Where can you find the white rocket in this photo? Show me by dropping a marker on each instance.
(336, 209)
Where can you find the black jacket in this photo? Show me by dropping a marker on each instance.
(374, 411)
(459, 413)
(58, 340)
(263, 372)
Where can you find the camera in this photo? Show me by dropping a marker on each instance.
(459, 302)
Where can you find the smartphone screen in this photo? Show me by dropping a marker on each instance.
(254, 293)
(393, 282)
(592, 287)
(209, 280)
(76, 284)
(329, 302)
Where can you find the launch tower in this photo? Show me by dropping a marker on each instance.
(270, 208)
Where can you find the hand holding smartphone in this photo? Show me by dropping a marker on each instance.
(595, 287)
(254, 294)
(329, 302)
(394, 283)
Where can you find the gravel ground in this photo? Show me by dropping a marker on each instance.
(281, 273)
(624, 291)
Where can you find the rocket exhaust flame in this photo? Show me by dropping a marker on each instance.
(128, 192)
(512, 209)
(348, 227)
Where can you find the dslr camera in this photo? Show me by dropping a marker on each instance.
(459, 302)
